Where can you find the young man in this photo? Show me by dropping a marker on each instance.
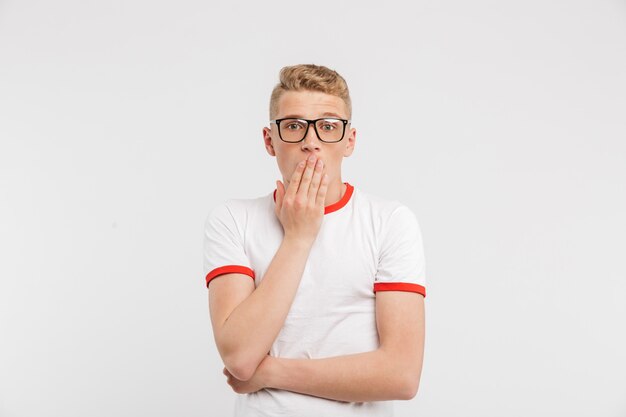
(316, 289)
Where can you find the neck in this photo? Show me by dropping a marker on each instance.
(335, 191)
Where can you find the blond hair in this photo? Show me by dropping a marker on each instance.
(313, 78)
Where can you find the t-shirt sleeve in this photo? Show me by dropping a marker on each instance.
(223, 247)
(401, 256)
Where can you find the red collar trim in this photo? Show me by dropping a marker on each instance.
(339, 204)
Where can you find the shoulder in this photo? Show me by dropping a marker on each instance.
(383, 209)
(238, 210)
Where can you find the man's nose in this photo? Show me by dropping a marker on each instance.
(311, 141)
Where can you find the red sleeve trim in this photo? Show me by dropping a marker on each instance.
(399, 286)
(228, 269)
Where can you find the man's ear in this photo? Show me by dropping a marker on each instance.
(267, 139)
(351, 138)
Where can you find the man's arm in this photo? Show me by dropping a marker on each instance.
(392, 372)
(246, 321)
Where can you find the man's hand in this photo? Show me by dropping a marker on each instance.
(300, 207)
(254, 384)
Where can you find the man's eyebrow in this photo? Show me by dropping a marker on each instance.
(297, 116)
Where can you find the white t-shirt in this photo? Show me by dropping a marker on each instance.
(365, 244)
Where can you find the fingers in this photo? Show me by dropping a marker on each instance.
(305, 182)
(320, 198)
(315, 180)
(295, 181)
(303, 190)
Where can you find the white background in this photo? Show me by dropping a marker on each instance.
(501, 124)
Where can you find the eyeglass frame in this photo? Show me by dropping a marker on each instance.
(309, 122)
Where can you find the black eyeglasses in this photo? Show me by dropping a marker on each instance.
(327, 129)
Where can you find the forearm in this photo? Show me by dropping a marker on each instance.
(368, 376)
(248, 333)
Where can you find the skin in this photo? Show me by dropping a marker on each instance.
(300, 204)
(243, 342)
(396, 365)
(311, 105)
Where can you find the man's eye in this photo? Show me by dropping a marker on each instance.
(293, 126)
(328, 126)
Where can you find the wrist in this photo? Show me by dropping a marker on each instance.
(299, 242)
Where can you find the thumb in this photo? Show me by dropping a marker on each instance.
(280, 193)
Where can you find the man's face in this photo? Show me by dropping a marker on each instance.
(309, 105)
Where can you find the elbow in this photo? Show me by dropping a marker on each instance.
(409, 385)
(236, 361)
(240, 367)
(241, 373)
(410, 389)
